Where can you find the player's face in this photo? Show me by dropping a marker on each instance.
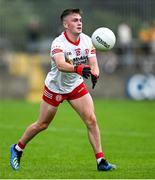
(73, 23)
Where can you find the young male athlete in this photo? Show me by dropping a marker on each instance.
(72, 58)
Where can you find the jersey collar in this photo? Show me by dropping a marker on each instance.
(75, 43)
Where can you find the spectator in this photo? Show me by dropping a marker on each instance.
(33, 35)
(152, 38)
(124, 34)
(144, 37)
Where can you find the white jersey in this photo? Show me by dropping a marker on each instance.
(74, 53)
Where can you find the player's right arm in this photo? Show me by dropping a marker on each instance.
(58, 55)
(61, 64)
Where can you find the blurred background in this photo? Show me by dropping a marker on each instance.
(27, 28)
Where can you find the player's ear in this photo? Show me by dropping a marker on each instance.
(65, 24)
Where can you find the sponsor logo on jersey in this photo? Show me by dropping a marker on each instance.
(70, 61)
(80, 60)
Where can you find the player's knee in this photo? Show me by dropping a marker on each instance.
(41, 126)
(44, 126)
(91, 121)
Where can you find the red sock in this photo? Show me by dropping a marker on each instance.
(99, 156)
(20, 146)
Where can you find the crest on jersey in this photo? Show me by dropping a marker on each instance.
(86, 51)
(78, 51)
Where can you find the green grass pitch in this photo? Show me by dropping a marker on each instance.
(63, 151)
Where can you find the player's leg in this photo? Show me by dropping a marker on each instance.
(85, 108)
(47, 113)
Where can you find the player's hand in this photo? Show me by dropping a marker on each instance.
(94, 78)
(83, 70)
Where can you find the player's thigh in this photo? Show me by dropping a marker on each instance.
(84, 106)
(47, 112)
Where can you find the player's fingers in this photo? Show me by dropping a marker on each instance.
(87, 76)
(93, 86)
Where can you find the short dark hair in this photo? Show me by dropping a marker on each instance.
(68, 12)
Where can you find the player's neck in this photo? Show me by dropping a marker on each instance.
(72, 37)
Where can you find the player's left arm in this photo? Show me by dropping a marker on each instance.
(94, 70)
(94, 65)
